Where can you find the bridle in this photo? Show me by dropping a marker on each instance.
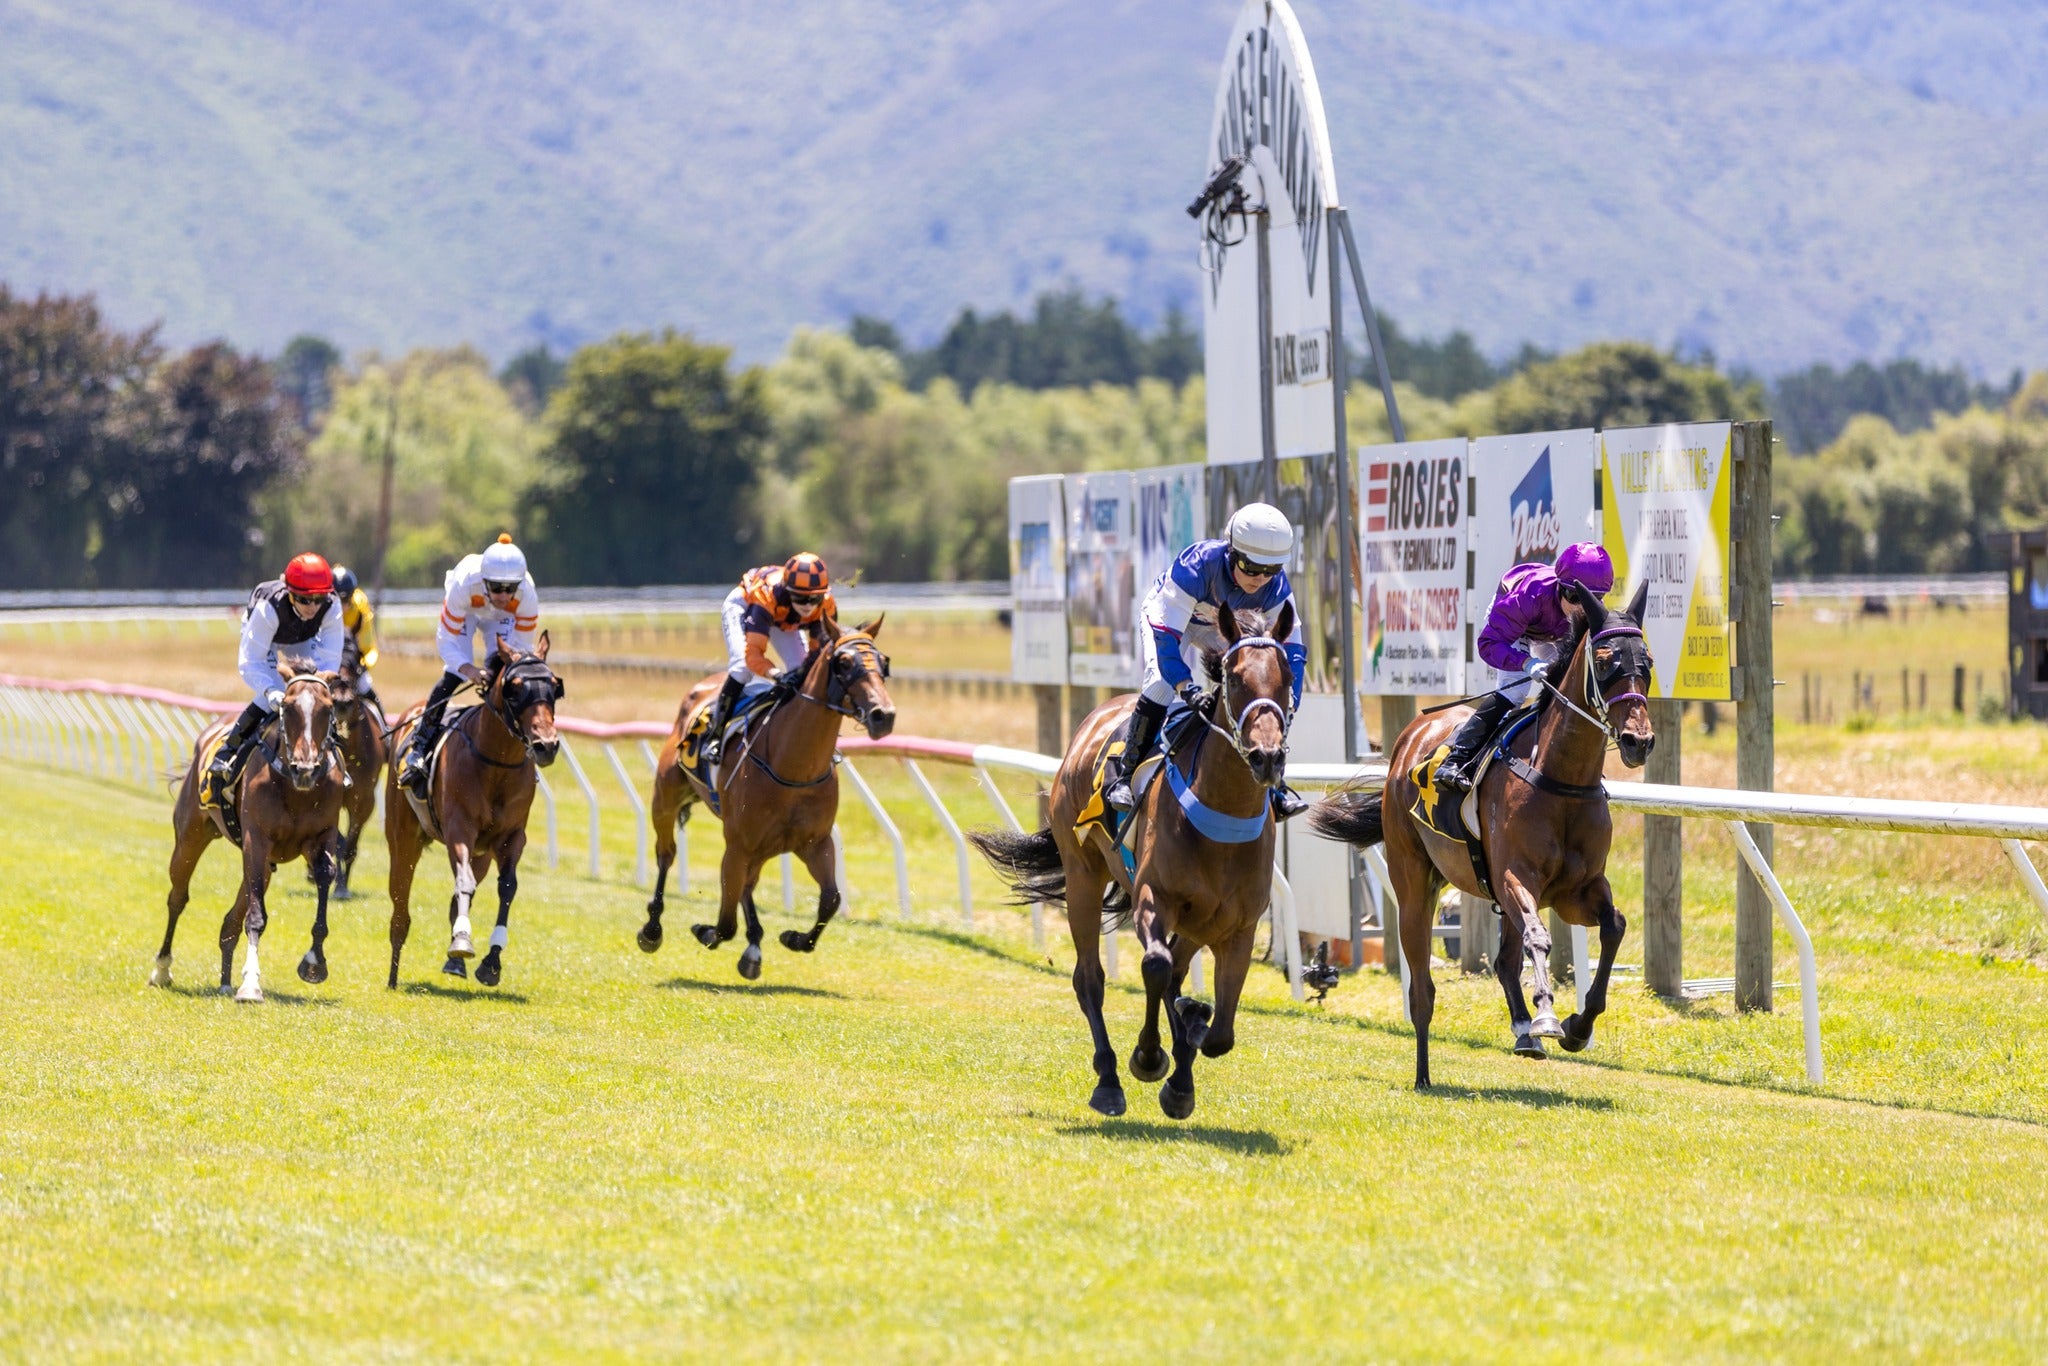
(1601, 715)
(1240, 718)
(500, 706)
(859, 649)
(330, 745)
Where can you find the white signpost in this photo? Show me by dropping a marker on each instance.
(1269, 109)
(1038, 579)
(1532, 495)
(1411, 538)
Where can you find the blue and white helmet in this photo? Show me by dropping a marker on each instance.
(1261, 533)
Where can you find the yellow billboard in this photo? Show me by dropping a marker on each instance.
(1664, 519)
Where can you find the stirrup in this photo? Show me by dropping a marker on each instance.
(1119, 795)
(1287, 803)
(1451, 777)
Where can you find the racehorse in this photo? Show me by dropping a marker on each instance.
(481, 789)
(777, 790)
(288, 807)
(359, 730)
(1543, 824)
(1203, 849)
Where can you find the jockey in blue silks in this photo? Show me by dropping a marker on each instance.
(1239, 572)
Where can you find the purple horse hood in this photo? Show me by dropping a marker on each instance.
(1526, 607)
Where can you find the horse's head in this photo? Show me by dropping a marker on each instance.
(856, 675)
(348, 702)
(1616, 680)
(522, 691)
(1257, 691)
(307, 722)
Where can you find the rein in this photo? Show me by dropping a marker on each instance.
(1603, 722)
(1235, 732)
(849, 647)
(1216, 826)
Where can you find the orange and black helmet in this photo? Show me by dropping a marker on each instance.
(805, 575)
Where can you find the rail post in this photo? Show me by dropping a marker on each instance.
(1051, 738)
(895, 836)
(952, 827)
(547, 797)
(639, 816)
(1663, 860)
(590, 798)
(995, 797)
(1749, 497)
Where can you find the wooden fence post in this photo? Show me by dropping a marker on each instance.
(1749, 513)
(1051, 738)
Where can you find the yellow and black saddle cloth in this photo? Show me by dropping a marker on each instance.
(749, 711)
(1102, 824)
(227, 816)
(1459, 820)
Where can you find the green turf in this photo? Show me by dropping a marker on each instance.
(883, 1151)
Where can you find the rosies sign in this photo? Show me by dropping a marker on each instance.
(1412, 554)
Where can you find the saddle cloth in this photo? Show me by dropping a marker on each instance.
(1460, 820)
(425, 810)
(747, 712)
(1098, 813)
(226, 817)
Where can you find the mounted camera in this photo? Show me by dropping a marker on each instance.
(1319, 976)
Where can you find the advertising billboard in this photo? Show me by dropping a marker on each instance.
(1411, 540)
(1102, 579)
(1038, 579)
(1664, 501)
(1532, 495)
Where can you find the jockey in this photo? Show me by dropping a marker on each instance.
(1523, 630)
(358, 622)
(785, 605)
(295, 616)
(489, 595)
(1242, 570)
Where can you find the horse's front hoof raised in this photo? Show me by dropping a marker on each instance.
(312, 970)
(796, 941)
(1194, 1019)
(1546, 1026)
(1529, 1046)
(455, 967)
(1150, 1067)
(649, 938)
(1107, 1100)
(490, 969)
(1577, 1034)
(160, 972)
(1176, 1104)
(750, 962)
(707, 935)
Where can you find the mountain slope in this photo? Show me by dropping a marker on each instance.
(394, 174)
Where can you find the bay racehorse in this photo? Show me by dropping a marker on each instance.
(360, 731)
(1543, 824)
(288, 802)
(1203, 847)
(777, 790)
(479, 794)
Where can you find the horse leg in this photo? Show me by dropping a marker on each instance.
(345, 861)
(1412, 873)
(256, 861)
(1189, 1021)
(732, 880)
(492, 969)
(1149, 1061)
(750, 956)
(1233, 965)
(403, 838)
(466, 864)
(1578, 1026)
(670, 810)
(193, 837)
(313, 967)
(824, 869)
(1508, 969)
(1536, 943)
(1084, 923)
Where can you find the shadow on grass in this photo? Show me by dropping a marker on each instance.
(271, 996)
(517, 998)
(1531, 1097)
(748, 988)
(1250, 1142)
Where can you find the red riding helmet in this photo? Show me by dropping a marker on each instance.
(308, 573)
(805, 573)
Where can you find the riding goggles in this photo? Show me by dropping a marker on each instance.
(500, 590)
(805, 601)
(308, 599)
(1251, 569)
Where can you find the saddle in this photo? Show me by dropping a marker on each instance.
(755, 702)
(226, 817)
(1103, 825)
(425, 810)
(1460, 820)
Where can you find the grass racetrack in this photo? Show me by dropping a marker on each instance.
(883, 1150)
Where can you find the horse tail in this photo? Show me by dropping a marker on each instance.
(1350, 817)
(1029, 864)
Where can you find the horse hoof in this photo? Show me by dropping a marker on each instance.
(1152, 1067)
(1529, 1046)
(1577, 1034)
(750, 963)
(797, 942)
(1107, 1100)
(649, 938)
(341, 894)
(490, 970)
(460, 947)
(1545, 1026)
(1176, 1104)
(250, 994)
(707, 935)
(455, 967)
(160, 974)
(312, 970)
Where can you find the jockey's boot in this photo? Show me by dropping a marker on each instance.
(1287, 803)
(1139, 736)
(412, 769)
(227, 758)
(709, 748)
(1454, 776)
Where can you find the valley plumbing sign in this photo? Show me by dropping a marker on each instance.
(1532, 496)
(1664, 496)
(1412, 552)
(1268, 106)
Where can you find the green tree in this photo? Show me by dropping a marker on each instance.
(650, 465)
(463, 456)
(306, 374)
(532, 377)
(1618, 384)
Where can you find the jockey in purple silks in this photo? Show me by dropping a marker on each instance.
(1524, 628)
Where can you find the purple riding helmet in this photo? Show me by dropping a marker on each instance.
(1587, 564)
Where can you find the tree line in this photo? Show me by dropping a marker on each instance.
(652, 457)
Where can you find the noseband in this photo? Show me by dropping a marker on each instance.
(1601, 704)
(1239, 719)
(501, 707)
(857, 648)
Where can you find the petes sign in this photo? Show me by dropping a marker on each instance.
(1268, 108)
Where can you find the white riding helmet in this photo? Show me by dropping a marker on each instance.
(503, 562)
(1261, 533)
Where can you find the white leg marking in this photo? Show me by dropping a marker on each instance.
(499, 936)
